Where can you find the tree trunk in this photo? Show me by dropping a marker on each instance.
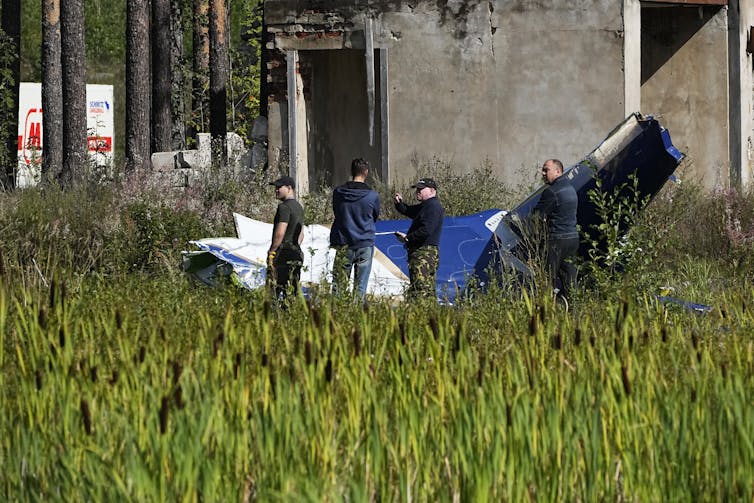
(218, 81)
(11, 25)
(73, 62)
(200, 82)
(52, 92)
(178, 133)
(162, 116)
(137, 85)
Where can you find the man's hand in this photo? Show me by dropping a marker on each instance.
(398, 198)
(400, 236)
(271, 258)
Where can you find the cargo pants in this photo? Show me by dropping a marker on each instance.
(422, 272)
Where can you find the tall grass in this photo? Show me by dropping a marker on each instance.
(123, 381)
(223, 396)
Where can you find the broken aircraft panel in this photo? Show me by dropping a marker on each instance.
(471, 247)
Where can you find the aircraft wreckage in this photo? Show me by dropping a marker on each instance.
(472, 248)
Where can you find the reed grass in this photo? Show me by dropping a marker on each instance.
(121, 380)
(212, 395)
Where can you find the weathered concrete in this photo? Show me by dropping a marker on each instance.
(181, 168)
(631, 56)
(339, 126)
(741, 83)
(509, 82)
(684, 80)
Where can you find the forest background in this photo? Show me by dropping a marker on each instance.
(182, 43)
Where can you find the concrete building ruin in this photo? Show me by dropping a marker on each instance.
(504, 82)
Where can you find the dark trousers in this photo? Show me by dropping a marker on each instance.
(561, 271)
(285, 274)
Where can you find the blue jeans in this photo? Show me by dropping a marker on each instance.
(359, 261)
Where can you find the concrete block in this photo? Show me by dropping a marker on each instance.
(194, 159)
(163, 161)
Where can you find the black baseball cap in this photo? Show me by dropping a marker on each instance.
(284, 180)
(425, 182)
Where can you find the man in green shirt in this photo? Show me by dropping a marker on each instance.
(285, 258)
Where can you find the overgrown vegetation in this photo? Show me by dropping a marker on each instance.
(123, 380)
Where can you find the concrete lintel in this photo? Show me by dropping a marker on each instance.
(320, 40)
(309, 41)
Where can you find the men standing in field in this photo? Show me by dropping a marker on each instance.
(557, 206)
(284, 258)
(423, 238)
(356, 207)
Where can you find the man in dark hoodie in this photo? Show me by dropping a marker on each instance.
(423, 238)
(356, 207)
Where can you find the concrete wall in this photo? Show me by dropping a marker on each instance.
(685, 82)
(510, 83)
(514, 82)
(506, 82)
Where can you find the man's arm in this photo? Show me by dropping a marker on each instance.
(546, 203)
(409, 211)
(278, 234)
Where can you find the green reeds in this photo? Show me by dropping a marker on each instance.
(509, 399)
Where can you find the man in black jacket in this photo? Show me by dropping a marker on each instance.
(557, 206)
(423, 238)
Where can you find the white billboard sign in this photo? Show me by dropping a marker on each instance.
(100, 124)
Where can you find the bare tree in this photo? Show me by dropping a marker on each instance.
(137, 85)
(11, 25)
(73, 61)
(162, 115)
(200, 81)
(52, 92)
(218, 80)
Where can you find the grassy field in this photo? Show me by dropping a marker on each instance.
(122, 380)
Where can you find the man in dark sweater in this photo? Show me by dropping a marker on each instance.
(423, 238)
(285, 258)
(356, 207)
(557, 206)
